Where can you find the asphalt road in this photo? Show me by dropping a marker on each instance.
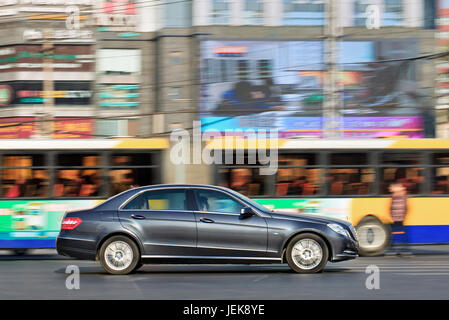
(42, 275)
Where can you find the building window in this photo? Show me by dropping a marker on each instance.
(113, 128)
(175, 93)
(265, 68)
(178, 14)
(253, 12)
(243, 69)
(175, 57)
(393, 13)
(119, 61)
(429, 14)
(360, 12)
(304, 12)
(220, 12)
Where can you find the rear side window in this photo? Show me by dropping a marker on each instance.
(159, 200)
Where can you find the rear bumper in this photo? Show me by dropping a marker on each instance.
(76, 248)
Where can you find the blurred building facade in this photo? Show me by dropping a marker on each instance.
(141, 68)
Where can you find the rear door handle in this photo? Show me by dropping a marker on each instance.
(206, 220)
(137, 216)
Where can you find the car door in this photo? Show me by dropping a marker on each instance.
(164, 221)
(222, 232)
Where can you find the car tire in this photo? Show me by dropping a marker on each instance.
(374, 236)
(119, 255)
(307, 253)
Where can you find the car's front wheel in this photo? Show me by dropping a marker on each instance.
(307, 253)
(119, 255)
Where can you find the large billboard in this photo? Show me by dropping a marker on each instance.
(280, 85)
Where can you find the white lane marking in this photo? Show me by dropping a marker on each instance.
(425, 273)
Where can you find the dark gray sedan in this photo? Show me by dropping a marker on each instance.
(200, 224)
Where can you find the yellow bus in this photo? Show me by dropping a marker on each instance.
(350, 179)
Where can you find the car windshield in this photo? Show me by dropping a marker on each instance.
(251, 201)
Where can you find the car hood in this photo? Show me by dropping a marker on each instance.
(316, 218)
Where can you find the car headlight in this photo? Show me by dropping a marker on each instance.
(339, 229)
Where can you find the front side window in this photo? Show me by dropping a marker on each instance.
(159, 200)
(215, 201)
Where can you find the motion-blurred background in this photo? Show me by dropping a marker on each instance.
(76, 73)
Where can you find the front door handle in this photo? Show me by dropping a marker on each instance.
(137, 216)
(207, 220)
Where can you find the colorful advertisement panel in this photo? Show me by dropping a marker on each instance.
(354, 127)
(70, 58)
(64, 93)
(118, 96)
(279, 84)
(35, 224)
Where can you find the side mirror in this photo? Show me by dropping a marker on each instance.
(246, 212)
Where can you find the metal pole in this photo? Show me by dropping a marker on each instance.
(48, 85)
(332, 119)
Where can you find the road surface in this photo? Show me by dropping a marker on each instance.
(42, 275)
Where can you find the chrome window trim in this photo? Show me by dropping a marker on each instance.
(186, 189)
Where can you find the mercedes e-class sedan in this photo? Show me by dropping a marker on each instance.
(200, 224)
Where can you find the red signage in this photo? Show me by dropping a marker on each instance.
(65, 128)
(73, 129)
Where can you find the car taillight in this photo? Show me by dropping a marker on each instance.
(70, 223)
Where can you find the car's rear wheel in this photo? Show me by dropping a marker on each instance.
(307, 253)
(374, 236)
(119, 255)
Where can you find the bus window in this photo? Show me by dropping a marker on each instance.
(131, 159)
(77, 175)
(131, 170)
(296, 177)
(393, 158)
(441, 158)
(27, 180)
(440, 183)
(349, 159)
(247, 181)
(128, 178)
(411, 178)
(351, 181)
